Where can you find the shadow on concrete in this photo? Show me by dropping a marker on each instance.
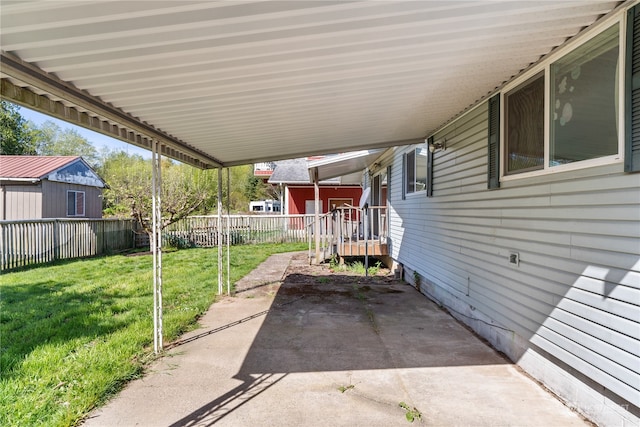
(216, 410)
(344, 323)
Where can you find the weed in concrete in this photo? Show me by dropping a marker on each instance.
(322, 279)
(344, 388)
(412, 413)
(362, 298)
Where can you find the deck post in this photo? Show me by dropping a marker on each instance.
(316, 231)
(365, 226)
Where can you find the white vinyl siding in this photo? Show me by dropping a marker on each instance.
(576, 291)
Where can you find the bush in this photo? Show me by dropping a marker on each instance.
(174, 241)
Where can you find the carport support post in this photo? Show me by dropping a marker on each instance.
(156, 245)
(219, 231)
(316, 229)
(228, 232)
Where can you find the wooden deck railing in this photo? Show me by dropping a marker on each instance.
(342, 232)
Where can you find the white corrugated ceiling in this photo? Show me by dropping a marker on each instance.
(265, 80)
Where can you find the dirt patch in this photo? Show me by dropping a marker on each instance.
(303, 279)
(300, 271)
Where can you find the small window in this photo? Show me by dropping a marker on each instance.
(75, 203)
(583, 101)
(416, 170)
(524, 127)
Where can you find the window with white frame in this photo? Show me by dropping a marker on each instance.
(416, 170)
(75, 203)
(584, 97)
(581, 104)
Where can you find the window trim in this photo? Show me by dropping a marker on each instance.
(84, 203)
(405, 174)
(545, 67)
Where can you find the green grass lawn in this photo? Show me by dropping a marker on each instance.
(71, 334)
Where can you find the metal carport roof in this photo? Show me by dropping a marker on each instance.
(227, 83)
(344, 164)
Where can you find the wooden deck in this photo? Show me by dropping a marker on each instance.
(374, 248)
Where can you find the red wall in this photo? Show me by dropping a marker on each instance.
(298, 195)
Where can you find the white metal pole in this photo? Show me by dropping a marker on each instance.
(153, 246)
(219, 231)
(156, 246)
(159, 240)
(228, 232)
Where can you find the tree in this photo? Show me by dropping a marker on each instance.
(53, 141)
(185, 189)
(17, 135)
(256, 189)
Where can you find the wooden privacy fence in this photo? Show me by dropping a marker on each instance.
(202, 231)
(29, 242)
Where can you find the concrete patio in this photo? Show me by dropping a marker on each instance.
(300, 346)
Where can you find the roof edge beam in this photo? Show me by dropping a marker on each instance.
(370, 146)
(90, 112)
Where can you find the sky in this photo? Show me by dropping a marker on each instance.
(96, 139)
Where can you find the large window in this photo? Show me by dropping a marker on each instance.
(583, 101)
(75, 203)
(416, 170)
(577, 94)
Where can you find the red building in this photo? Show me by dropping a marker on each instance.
(299, 197)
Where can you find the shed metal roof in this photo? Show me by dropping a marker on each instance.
(34, 167)
(226, 83)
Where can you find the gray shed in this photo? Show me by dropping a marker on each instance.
(34, 187)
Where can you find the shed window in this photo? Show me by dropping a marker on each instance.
(75, 203)
(416, 170)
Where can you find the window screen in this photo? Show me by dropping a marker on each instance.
(524, 127)
(583, 101)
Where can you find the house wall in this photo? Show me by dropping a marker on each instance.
(54, 199)
(569, 312)
(21, 201)
(297, 195)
